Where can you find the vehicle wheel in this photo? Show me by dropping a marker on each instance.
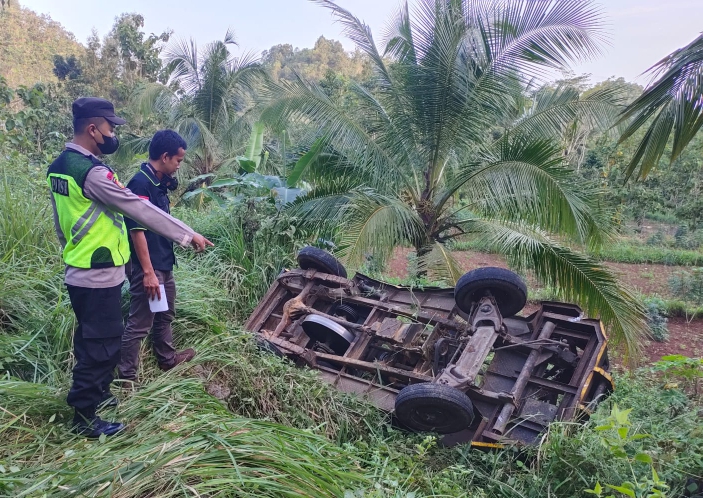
(347, 312)
(317, 259)
(430, 407)
(508, 289)
(328, 333)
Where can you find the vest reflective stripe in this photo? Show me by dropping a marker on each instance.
(88, 214)
(117, 220)
(96, 212)
(96, 237)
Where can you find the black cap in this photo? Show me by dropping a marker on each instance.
(93, 107)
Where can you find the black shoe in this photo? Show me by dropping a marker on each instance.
(96, 427)
(108, 400)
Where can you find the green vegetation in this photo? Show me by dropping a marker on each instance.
(657, 318)
(382, 150)
(630, 253)
(669, 106)
(448, 146)
(206, 101)
(620, 252)
(28, 46)
(688, 285)
(326, 62)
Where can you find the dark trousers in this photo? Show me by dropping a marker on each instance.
(96, 345)
(141, 320)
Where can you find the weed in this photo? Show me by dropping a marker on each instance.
(656, 239)
(617, 435)
(688, 371)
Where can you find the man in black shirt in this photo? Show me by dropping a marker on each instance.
(154, 261)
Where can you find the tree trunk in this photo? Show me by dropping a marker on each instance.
(422, 249)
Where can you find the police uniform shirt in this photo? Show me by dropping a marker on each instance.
(100, 186)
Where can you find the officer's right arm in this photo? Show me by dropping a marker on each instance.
(99, 186)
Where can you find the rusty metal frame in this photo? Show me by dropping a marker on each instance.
(521, 373)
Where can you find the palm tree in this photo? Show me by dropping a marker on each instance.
(207, 101)
(671, 104)
(440, 148)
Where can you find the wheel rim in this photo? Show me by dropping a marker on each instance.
(328, 332)
(433, 415)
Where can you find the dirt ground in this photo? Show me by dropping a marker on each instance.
(685, 337)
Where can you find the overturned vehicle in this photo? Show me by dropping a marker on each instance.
(454, 361)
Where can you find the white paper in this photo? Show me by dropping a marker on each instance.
(157, 305)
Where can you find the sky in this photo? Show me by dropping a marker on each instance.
(640, 32)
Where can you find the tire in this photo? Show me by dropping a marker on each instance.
(508, 289)
(317, 259)
(430, 407)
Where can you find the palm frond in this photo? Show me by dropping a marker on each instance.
(399, 38)
(182, 55)
(303, 101)
(395, 134)
(388, 87)
(556, 109)
(326, 202)
(152, 97)
(534, 35)
(130, 146)
(376, 224)
(230, 38)
(673, 102)
(524, 180)
(576, 277)
(439, 264)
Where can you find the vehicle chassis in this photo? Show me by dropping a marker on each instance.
(520, 373)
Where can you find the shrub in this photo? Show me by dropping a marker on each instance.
(656, 317)
(688, 285)
(656, 239)
(686, 239)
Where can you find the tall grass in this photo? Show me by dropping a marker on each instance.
(262, 385)
(253, 243)
(36, 321)
(239, 422)
(180, 442)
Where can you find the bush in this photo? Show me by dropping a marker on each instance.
(656, 318)
(253, 243)
(662, 218)
(687, 285)
(686, 239)
(656, 239)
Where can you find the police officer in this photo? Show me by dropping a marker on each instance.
(89, 203)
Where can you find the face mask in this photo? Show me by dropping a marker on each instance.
(110, 144)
